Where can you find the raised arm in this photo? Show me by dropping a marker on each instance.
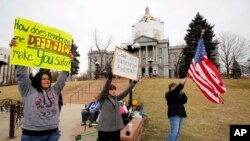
(22, 75)
(105, 90)
(126, 91)
(23, 80)
(175, 92)
(60, 83)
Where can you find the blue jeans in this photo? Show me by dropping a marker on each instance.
(175, 128)
(85, 114)
(51, 137)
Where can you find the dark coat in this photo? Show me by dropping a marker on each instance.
(175, 101)
(110, 118)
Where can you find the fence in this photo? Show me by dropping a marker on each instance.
(15, 109)
(85, 92)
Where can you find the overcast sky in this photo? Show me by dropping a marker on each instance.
(115, 17)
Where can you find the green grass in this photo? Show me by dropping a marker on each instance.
(206, 121)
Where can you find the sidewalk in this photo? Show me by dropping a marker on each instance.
(69, 119)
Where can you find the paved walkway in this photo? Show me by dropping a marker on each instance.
(69, 119)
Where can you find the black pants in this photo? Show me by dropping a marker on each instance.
(109, 136)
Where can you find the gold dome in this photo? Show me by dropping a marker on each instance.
(147, 16)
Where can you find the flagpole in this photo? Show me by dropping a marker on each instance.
(202, 32)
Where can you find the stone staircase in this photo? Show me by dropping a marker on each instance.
(84, 93)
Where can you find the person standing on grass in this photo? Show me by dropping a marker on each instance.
(110, 121)
(40, 101)
(176, 111)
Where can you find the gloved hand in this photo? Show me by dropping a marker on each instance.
(110, 75)
(108, 70)
(134, 82)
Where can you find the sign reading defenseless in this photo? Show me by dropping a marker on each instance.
(40, 46)
(125, 64)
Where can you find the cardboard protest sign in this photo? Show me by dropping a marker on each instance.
(125, 64)
(40, 46)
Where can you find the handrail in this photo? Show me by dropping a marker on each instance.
(84, 90)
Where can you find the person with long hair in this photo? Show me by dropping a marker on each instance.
(110, 120)
(40, 101)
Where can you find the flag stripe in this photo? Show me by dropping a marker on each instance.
(197, 77)
(202, 85)
(205, 91)
(210, 78)
(213, 71)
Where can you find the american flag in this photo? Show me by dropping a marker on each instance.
(205, 75)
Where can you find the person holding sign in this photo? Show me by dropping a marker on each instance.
(176, 111)
(40, 98)
(110, 121)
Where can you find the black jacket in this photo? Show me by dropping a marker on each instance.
(175, 101)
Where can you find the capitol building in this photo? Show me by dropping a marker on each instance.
(156, 57)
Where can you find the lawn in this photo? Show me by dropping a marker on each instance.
(206, 121)
(12, 91)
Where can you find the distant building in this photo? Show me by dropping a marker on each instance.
(7, 74)
(4, 53)
(95, 61)
(156, 56)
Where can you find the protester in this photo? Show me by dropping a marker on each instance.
(92, 110)
(110, 122)
(124, 112)
(123, 108)
(40, 101)
(176, 111)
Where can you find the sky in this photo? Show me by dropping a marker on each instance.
(115, 17)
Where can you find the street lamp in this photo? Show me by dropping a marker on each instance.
(132, 48)
(150, 67)
(96, 70)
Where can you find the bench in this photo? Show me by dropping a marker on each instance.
(136, 131)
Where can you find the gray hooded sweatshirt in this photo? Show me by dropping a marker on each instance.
(41, 111)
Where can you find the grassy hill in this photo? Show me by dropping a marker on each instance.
(12, 91)
(206, 121)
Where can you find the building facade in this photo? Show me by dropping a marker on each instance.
(156, 57)
(97, 61)
(7, 73)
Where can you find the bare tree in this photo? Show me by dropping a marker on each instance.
(177, 65)
(231, 46)
(101, 47)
